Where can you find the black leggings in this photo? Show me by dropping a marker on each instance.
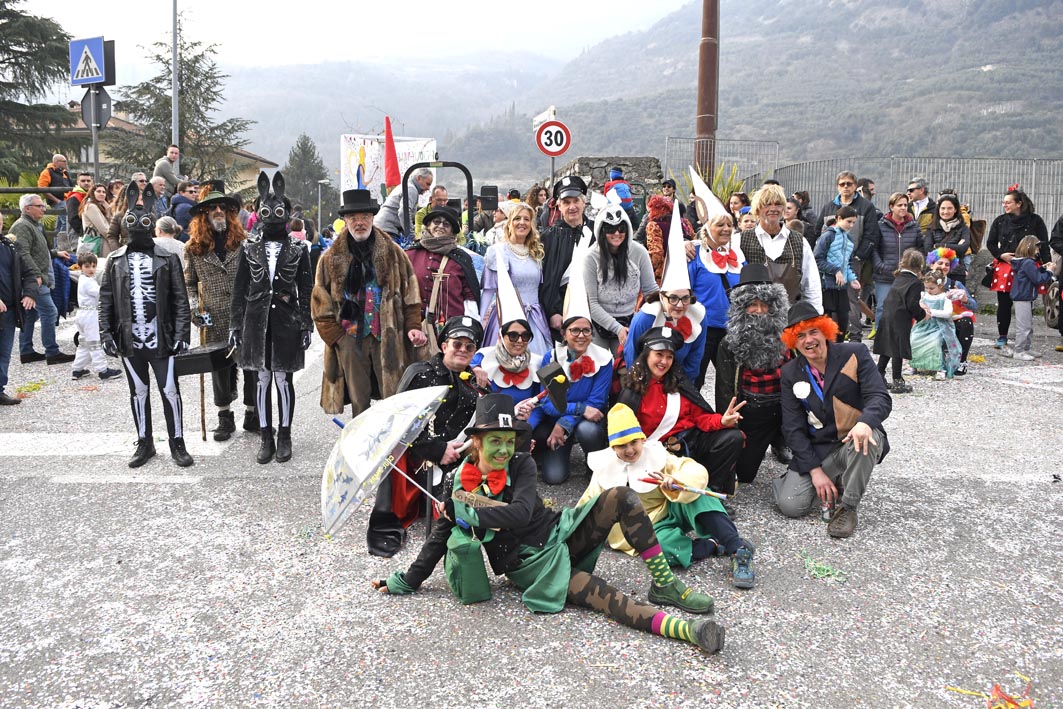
(965, 334)
(898, 366)
(1003, 314)
(136, 372)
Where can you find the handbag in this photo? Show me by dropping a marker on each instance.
(428, 325)
(91, 241)
(465, 569)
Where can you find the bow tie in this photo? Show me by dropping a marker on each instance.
(515, 378)
(683, 326)
(583, 365)
(725, 261)
(472, 478)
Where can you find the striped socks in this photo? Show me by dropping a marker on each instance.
(658, 566)
(673, 627)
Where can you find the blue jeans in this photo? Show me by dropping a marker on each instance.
(881, 289)
(7, 341)
(48, 314)
(555, 463)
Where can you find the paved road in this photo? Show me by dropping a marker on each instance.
(213, 586)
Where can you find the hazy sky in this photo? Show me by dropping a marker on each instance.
(338, 30)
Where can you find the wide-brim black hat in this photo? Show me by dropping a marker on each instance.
(495, 412)
(215, 197)
(447, 213)
(661, 338)
(800, 311)
(462, 326)
(754, 274)
(570, 186)
(357, 202)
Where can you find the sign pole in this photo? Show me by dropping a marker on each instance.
(94, 112)
(553, 178)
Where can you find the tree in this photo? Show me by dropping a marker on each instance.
(33, 57)
(207, 144)
(301, 175)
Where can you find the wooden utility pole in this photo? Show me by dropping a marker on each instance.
(708, 87)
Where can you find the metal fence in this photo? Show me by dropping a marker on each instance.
(979, 182)
(751, 156)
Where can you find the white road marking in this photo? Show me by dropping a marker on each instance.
(134, 479)
(21, 444)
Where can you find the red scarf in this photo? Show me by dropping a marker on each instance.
(472, 478)
(898, 226)
(514, 378)
(684, 326)
(583, 365)
(723, 261)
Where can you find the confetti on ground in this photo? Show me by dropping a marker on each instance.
(977, 359)
(822, 570)
(89, 387)
(30, 388)
(999, 699)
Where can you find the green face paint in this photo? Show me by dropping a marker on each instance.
(498, 448)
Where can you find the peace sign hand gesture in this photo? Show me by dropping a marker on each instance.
(731, 417)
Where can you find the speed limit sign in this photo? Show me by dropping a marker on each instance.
(553, 138)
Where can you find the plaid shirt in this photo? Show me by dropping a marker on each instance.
(763, 382)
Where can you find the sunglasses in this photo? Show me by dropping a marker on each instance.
(846, 184)
(579, 331)
(466, 345)
(677, 299)
(522, 336)
(613, 228)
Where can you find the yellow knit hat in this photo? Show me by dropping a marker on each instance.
(623, 426)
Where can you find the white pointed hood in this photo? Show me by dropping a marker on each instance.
(676, 276)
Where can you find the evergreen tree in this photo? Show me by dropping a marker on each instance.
(207, 144)
(33, 57)
(301, 175)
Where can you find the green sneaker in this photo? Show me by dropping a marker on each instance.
(677, 594)
(708, 635)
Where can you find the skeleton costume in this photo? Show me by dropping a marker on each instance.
(144, 318)
(270, 310)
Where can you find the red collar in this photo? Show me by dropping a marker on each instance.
(514, 378)
(582, 365)
(684, 327)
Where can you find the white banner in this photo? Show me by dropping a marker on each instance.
(365, 153)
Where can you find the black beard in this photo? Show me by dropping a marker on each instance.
(754, 340)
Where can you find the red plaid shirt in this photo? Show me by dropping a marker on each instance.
(760, 382)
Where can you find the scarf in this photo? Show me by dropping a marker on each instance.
(949, 225)
(472, 478)
(898, 226)
(511, 363)
(439, 244)
(683, 326)
(219, 244)
(359, 274)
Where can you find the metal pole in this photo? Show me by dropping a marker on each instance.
(708, 87)
(553, 177)
(319, 206)
(94, 112)
(175, 88)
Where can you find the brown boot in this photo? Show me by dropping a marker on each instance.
(843, 523)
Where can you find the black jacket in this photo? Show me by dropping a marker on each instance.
(21, 281)
(272, 315)
(171, 303)
(866, 229)
(958, 239)
(453, 415)
(559, 241)
(1007, 231)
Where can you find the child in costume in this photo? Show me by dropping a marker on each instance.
(964, 306)
(88, 323)
(1027, 277)
(632, 460)
(935, 330)
(895, 327)
(549, 553)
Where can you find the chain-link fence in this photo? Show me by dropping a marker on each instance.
(979, 182)
(751, 156)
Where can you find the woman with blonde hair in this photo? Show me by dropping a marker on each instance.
(520, 250)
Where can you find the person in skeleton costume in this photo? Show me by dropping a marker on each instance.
(748, 364)
(270, 315)
(144, 319)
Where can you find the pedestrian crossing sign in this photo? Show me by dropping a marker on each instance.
(87, 61)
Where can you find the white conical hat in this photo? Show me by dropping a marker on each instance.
(676, 276)
(712, 204)
(510, 309)
(576, 303)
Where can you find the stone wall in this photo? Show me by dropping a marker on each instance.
(595, 170)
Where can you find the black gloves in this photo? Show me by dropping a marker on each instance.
(235, 339)
(109, 347)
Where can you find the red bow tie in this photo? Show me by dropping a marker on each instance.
(683, 327)
(514, 378)
(583, 365)
(472, 478)
(722, 261)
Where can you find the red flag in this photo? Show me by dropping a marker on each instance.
(392, 176)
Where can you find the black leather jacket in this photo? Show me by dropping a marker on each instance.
(171, 303)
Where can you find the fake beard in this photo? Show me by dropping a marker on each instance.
(141, 241)
(754, 340)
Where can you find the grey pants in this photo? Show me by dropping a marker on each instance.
(850, 471)
(1023, 325)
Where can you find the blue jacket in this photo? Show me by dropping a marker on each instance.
(180, 210)
(834, 252)
(587, 391)
(688, 357)
(708, 289)
(1027, 275)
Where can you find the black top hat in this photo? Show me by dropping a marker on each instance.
(800, 311)
(754, 274)
(571, 186)
(215, 197)
(462, 326)
(661, 338)
(357, 202)
(447, 213)
(495, 412)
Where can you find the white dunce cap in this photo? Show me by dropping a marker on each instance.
(713, 205)
(676, 276)
(510, 309)
(576, 304)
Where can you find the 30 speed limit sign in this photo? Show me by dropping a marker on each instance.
(553, 138)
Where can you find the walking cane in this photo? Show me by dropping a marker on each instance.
(202, 386)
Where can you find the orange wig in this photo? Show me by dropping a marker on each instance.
(823, 323)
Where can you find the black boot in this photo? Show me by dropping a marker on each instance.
(250, 420)
(144, 452)
(266, 451)
(226, 426)
(179, 454)
(284, 444)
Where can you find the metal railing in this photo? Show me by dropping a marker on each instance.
(751, 156)
(979, 182)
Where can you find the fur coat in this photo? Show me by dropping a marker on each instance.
(400, 312)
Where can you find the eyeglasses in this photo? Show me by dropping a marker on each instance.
(462, 345)
(142, 182)
(522, 336)
(439, 221)
(846, 184)
(579, 331)
(37, 204)
(677, 299)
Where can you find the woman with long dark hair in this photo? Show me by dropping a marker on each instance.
(948, 230)
(1018, 220)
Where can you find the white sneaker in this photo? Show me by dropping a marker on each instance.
(907, 370)
(1024, 356)
(1006, 351)
(1036, 355)
(940, 377)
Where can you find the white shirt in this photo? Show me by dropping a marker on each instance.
(773, 247)
(919, 206)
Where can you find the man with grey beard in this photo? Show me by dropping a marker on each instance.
(748, 364)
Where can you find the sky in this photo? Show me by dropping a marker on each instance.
(345, 30)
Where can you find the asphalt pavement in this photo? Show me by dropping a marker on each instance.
(214, 586)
